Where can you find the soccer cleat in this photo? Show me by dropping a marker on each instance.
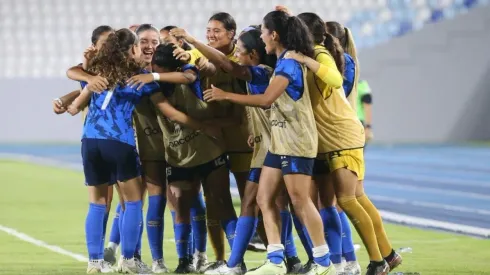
(396, 260)
(184, 267)
(159, 267)
(256, 244)
(99, 266)
(352, 268)
(307, 267)
(375, 268)
(339, 268)
(294, 265)
(225, 269)
(201, 262)
(110, 255)
(269, 268)
(317, 269)
(213, 265)
(142, 266)
(131, 266)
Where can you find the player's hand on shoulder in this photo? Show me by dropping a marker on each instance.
(140, 80)
(97, 83)
(214, 94)
(296, 56)
(182, 55)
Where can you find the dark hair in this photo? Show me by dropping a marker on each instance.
(339, 31)
(168, 28)
(251, 41)
(164, 57)
(293, 33)
(146, 27)
(112, 61)
(320, 36)
(185, 45)
(227, 20)
(97, 32)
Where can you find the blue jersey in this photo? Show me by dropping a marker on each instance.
(349, 74)
(291, 69)
(110, 113)
(260, 79)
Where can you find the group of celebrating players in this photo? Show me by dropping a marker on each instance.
(170, 115)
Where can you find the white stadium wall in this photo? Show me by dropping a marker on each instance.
(429, 86)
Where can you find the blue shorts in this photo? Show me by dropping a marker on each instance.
(197, 172)
(254, 174)
(109, 161)
(289, 164)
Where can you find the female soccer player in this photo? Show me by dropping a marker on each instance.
(191, 156)
(250, 53)
(292, 151)
(108, 152)
(392, 258)
(341, 141)
(220, 33)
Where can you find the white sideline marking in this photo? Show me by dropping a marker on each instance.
(42, 244)
(410, 220)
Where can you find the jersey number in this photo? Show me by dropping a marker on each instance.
(107, 99)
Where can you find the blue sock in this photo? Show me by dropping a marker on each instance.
(190, 246)
(321, 255)
(94, 224)
(229, 226)
(198, 222)
(121, 237)
(131, 228)
(287, 235)
(137, 252)
(106, 218)
(115, 236)
(300, 230)
(154, 225)
(276, 257)
(347, 243)
(104, 229)
(182, 232)
(245, 229)
(333, 232)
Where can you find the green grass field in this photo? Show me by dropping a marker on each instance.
(50, 204)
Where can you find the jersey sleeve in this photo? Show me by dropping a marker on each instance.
(349, 75)
(260, 75)
(195, 54)
(83, 84)
(288, 68)
(150, 88)
(328, 71)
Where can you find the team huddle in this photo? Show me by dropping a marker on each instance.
(171, 116)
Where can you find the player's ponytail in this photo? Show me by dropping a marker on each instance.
(113, 61)
(321, 37)
(293, 33)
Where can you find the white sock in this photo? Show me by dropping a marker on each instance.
(320, 251)
(274, 247)
(113, 246)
